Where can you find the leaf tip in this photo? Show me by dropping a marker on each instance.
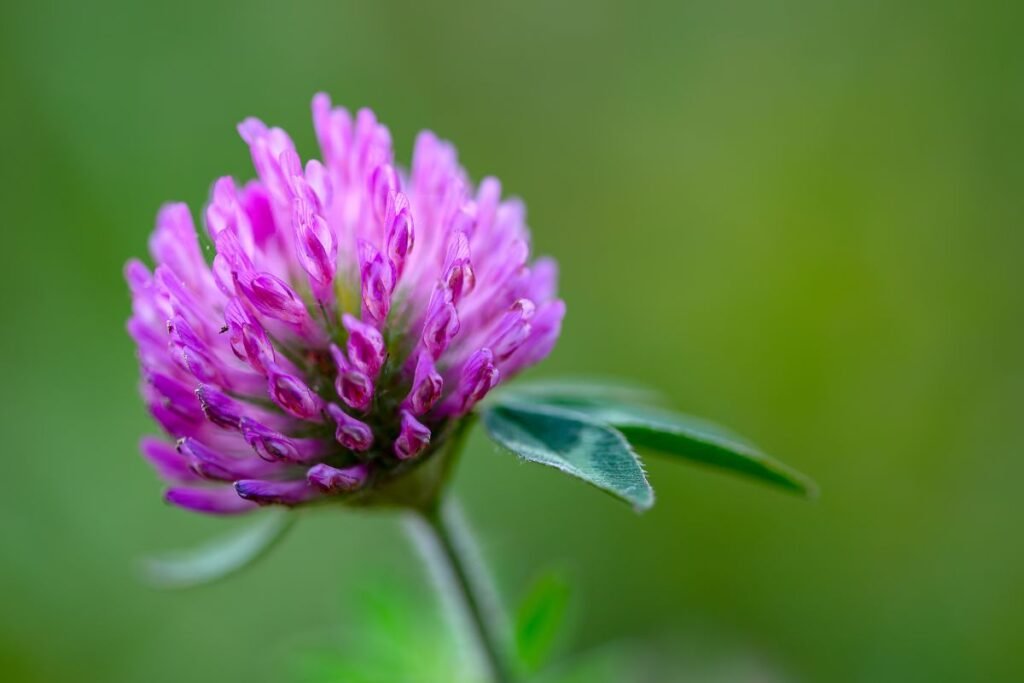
(797, 482)
(155, 573)
(809, 488)
(642, 506)
(644, 499)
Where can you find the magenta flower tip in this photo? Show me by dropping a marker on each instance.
(289, 493)
(351, 433)
(366, 348)
(427, 385)
(413, 437)
(218, 501)
(333, 480)
(352, 310)
(170, 464)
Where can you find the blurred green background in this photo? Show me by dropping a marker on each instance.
(802, 220)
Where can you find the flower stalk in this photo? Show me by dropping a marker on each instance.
(448, 549)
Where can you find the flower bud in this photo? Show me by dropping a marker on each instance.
(274, 446)
(232, 262)
(138, 276)
(426, 386)
(377, 278)
(173, 422)
(275, 299)
(293, 396)
(167, 461)
(382, 185)
(193, 352)
(479, 376)
(202, 367)
(177, 397)
(211, 464)
(458, 271)
(400, 235)
(299, 188)
(488, 196)
(353, 386)
(513, 329)
(214, 501)
(289, 493)
(315, 244)
(546, 326)
(412, 439)
(249, 341)
(182, 300)
(333, 129)
(174, 243)
(442, 322)
(366, 348)
(333, 480)
(319, 180)
(540, 282)
(218, 408)
(224, 214)
(350, 433)
(266, 146)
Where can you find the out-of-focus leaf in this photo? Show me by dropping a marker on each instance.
(389, 634)
(705, 657)
(221, 557)
(573, 443)
(697, 440)
(538, 619)
(572, 391)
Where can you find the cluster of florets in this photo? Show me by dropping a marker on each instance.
(352, 314)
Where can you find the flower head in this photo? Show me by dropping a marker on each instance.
(353, 312)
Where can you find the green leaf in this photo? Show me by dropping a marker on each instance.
(539, 618)
(572, 443)
(696, 440)
(221, 557)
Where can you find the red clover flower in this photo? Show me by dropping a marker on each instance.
(353, 314)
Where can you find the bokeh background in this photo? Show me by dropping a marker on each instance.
(801, 219)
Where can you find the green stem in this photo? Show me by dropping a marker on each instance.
(448, 548)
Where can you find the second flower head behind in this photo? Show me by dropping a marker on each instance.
(352, 314)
